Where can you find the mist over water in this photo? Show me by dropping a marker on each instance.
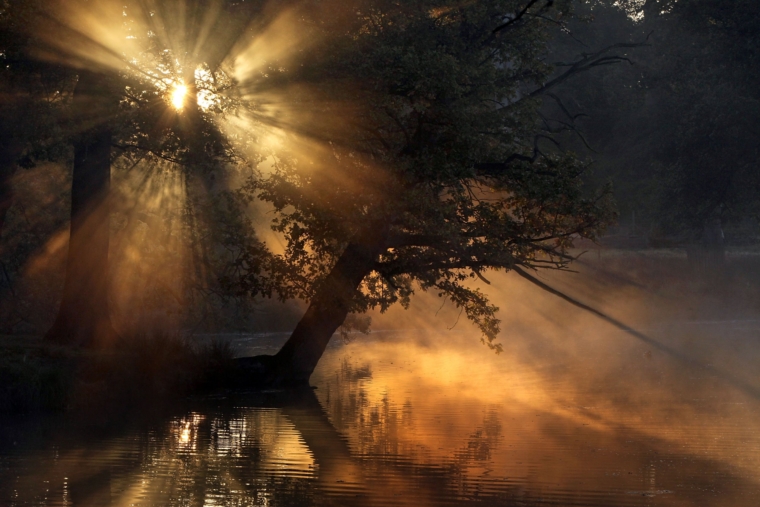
(573, 412)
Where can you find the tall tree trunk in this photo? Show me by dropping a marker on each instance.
(10, 151)
(83, 317)
(295, 362)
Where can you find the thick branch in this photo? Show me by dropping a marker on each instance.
(493, 168)
(388, 270)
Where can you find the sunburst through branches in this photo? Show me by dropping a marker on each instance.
(186, 76)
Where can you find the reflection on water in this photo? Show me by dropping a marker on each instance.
(423, 419)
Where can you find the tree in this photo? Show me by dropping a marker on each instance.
(130, 58)
(713, 106)
(432, 168)
(32, 93)
(120, 65)
(84, 317)
(678, 140)
(11, 147)
(417, 160)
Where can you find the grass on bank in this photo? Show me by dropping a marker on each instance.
(37, 376)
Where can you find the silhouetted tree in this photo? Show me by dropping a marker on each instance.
(121, 111)
(83, 316)
(31, 96)
(434, 168)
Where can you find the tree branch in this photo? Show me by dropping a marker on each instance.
(587, 62)
(517, 17)
(153, 152)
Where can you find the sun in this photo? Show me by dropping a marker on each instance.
(178, 96)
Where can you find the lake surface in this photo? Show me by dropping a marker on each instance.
(586, 416)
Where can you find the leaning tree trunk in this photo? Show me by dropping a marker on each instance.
(83, 317)
(295, 362)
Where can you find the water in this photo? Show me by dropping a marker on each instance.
(431, 418)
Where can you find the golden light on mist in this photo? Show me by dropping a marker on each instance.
(156, 46)
(578, 390)
(272, 140)
(118, 39)
(179, 92)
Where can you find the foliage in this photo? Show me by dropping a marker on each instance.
(713, 107)
(38, 89)
(152, 141)
(676, 131)
(435, 157)
(415, 128)
(30, 277)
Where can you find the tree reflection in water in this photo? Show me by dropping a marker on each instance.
(376, 437)
(275, 448)
(412, 470)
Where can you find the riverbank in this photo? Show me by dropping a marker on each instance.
(38, 376)
(641, 287)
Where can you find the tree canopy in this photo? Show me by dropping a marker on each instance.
(418, 162)
(676, 130)
(105, 74)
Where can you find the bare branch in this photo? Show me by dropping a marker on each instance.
(587, 62)
(517, 17)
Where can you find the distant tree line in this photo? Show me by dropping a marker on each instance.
(675, 131)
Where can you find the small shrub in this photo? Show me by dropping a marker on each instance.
(141, 367)
(162, 363)
(216, 364)
(27, 385)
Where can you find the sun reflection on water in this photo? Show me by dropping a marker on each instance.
(186, 431)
